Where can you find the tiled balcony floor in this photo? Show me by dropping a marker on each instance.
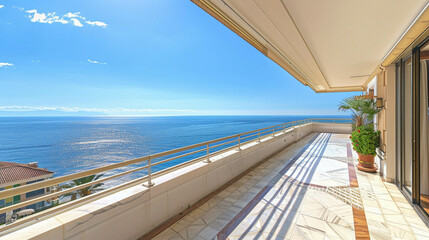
(310, 190)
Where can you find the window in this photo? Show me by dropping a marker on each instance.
(36, 192)
(2, 202)
(36, 206)
(8, 201)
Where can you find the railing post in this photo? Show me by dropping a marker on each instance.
(239, 143)
(149, 174)
(284, 127)
(273, 132)
(259, 135)
(207, 160)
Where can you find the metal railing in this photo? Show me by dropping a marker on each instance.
(203, 151)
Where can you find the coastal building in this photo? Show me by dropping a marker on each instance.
(13, 175)
(292, 181)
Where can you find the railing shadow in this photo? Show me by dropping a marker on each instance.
(306, 166)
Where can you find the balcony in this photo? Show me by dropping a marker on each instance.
(294, 180)
(310, 190)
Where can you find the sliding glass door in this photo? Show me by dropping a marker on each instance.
(423, 165)
(412, 130)
(404, 127)
(408, 153)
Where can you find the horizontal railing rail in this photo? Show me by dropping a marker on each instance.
(206, 151)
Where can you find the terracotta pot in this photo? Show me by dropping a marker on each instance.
(366, 163)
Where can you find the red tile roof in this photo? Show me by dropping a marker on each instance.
(16, 172)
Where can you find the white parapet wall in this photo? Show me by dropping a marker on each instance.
(332, 128)
(133, 212)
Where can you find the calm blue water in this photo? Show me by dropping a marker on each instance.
(69, 144)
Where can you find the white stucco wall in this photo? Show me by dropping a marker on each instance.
(388, 169)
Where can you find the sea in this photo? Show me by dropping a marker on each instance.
(68, 145)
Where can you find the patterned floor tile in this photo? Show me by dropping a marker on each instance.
(310, 190)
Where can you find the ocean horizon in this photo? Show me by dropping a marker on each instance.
(67, 145)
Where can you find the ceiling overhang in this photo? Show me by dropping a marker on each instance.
(330, 46)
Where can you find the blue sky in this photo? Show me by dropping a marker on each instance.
(143, 57)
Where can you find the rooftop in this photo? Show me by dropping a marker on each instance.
(12, 173)
(310, 190)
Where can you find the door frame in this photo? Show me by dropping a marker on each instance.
(414, 195)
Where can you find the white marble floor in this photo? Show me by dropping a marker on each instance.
(310, 190)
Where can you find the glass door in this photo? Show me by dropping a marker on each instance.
(406, 105)
(423, 165)
(399, 124)
(412, 129)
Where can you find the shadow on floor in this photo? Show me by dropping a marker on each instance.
(310, 157)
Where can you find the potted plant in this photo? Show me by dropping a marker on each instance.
(365, 142)
(363, 109)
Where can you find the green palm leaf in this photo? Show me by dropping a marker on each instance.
(83, 191)
(362, 108)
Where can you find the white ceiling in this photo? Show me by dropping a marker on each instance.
(334, 44)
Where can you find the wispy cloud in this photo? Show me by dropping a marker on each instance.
(97, 23)
(69, 18)
(19, 8)
(76, 22)
(94, 61)
(45, 17)
(78, 109)
(1, 6)
(73, 15)
(3, 64)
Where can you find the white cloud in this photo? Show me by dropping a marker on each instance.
(97, 23)
(94, 61)
(5, 64)
(72, 18)
(37, 17)
(63, 21)
(73, 15)
(19, 8)
(78, 109)
(76, 22)
(1, 6)
(45, 17)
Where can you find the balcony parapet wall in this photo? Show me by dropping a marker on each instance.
(133, 212)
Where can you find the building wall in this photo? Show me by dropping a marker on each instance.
(381, 118)
(21, 198)
(385, 89)
(381, 122)
(379, 87)
(2, 202)
(390, 123)
(2, 216)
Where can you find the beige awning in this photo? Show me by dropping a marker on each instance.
(331, 45)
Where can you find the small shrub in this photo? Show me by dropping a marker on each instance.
(365, 140)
